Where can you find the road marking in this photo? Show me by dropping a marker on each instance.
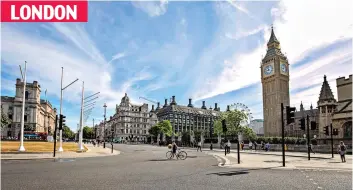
(319, 187)
(306, 176)
(310, 179)
(315, 183)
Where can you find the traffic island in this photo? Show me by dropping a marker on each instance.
(11, 147)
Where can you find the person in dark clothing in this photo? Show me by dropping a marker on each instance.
(342, 151)
(174, 148)
(255, 145)
(311, 148)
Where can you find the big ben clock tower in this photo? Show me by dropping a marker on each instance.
(275, 86)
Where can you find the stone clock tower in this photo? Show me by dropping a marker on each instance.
(275, 86)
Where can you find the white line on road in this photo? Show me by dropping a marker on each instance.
(319, 187)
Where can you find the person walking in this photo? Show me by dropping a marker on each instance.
(311, 148)
(199, 146)
(255, 145)
(228, 147)
(342, 151)
(250, 145)
(225, 148)
(242, 145)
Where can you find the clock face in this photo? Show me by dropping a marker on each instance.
(268, 69)
(283, 68)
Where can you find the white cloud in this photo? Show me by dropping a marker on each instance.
(302, 26)
(152, 8)
(117, 57)
(46, 57)
(236, 74)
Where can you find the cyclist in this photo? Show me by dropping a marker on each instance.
(174, 148)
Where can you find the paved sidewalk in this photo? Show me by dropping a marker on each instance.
(91, 152)
(262, 161)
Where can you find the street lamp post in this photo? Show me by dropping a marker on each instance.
(22, 148)
(105, 111)
(61, 103)
(80, 147)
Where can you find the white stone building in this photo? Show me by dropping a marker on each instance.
(130, 120)
(39, 114)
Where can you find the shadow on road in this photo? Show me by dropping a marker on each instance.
(337, 162)
(158, 160)
(192, 157)
(239, 172)
(229, 173)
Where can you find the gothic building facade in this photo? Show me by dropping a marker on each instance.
(39, 114)
(275, 86)
(186, 118)
(329, 111)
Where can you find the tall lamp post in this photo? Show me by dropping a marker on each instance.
(61, 103)
(23, 75)
(105, 111)
(80, 147)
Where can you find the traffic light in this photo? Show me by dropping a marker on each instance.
(61, 121)
(224, 126)
(327, 132)
(302, 124)
(290, 114)
(335, 131)
(313, 125)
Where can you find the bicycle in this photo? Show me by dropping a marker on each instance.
(180, 155)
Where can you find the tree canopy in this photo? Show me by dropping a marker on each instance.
(5, 120)
(88, 132)
(68, 133)
(164, 127)
(234, 119)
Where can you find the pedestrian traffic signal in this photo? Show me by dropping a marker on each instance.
(61, 121)
(335, 132)
(313, 125)
(302, 124)
(327, 133)
(290, 114)
(224, 126)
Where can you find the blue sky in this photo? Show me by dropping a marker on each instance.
(202, 50)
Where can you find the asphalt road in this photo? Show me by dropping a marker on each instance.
(145, 167)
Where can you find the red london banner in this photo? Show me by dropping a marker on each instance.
(44, 11)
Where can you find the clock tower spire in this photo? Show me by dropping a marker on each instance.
(275, 86)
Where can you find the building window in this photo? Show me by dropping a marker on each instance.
(9, 126)
(347, 127)
(26, 95)
(9, 133)
(10, 116)
(25, 118)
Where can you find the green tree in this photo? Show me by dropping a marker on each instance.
(155, 130)
(166, 127)
(5, 120)
(234, 119)
(87, 132)
(218, 129)
(249, 133)
(67, 133)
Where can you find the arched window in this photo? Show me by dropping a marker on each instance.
(26, 95)
(347, 129)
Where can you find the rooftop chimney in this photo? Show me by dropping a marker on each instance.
(152, 108)
(190, 103)
(165, 103)
(18, 81)
(173, 101)
(215, 106)
(203, 105)
(158, 106)
(228, 108)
